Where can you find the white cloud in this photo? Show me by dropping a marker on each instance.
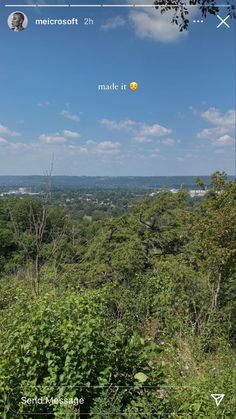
(52, 138)
(73, 117)
(91, 142)
(107, 147)
(212, 133)
(154, 130)
(12, 146)
(113, 23)
(225, 140)
(124, 125)
(227, 120)
(149, 23)
(141, 132)
(7, 131)
(92, 148)
(78, 149)
(223, 132)
(59, 138)
(71, 134)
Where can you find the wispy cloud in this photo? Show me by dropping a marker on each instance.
(123, 125)
(154, 130)
(43, 104)
(212, 133)
(214, 116)
(59, 138)
(140, 131)
(225, 140)
(103, 147)
(52, 138)
(71, 134)
(5, 131)
(222, 133)
(150, 23)
(9, 145)
(113, 23)
(68, 115)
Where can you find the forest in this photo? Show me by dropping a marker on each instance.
(131, 314)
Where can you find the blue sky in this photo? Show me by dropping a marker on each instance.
(179, 122)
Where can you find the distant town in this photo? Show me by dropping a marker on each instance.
(192, 192)
(28, 191)
(20, 191)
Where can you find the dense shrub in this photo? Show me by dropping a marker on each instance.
(66, 348)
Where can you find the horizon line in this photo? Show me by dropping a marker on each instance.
(116, 176)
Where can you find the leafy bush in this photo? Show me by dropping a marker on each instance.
(66, 348)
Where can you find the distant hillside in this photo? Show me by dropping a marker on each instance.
(99, 182)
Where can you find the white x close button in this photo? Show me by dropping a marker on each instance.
(223, 21)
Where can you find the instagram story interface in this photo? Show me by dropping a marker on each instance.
(117, 209)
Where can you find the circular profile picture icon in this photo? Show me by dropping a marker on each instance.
(17, 21)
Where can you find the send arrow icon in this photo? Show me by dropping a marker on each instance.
(218, 398)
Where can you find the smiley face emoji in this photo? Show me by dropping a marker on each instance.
(133, 86)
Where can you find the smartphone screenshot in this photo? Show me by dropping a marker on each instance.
(117, 209)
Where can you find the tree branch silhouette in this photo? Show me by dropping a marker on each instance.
(181, 10)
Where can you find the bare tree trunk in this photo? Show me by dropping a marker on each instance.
(216, 292)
